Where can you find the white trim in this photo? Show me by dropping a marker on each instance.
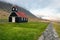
(13, 8)
(13, 19)
(24, 19)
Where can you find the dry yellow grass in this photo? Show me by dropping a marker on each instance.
(3, 14)
(57, 27)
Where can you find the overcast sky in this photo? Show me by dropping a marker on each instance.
(49, 9)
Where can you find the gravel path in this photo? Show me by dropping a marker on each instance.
(49, 34)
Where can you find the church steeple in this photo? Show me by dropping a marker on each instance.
(14, 9)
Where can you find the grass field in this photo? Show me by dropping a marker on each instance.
(21, 31)
(57, 27)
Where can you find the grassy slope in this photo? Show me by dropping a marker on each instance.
(4, 15)
(7, 7)
(57, 27)
(21, 31)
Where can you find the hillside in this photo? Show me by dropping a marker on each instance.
(7, 7)
(5, 10)
(3, 14)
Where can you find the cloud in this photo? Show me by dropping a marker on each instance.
(30, 4)
(35, 4)
(46, 13)
(49, 9)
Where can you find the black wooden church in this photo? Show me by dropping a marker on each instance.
(17, 16)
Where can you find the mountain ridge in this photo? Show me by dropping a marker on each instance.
(7, 7)
(5, 11)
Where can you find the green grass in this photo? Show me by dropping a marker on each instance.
(57, 27)
(21, 31)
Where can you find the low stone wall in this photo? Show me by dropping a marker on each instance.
(49, 34)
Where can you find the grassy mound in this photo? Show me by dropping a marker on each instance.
(57, 27)
(21, 31)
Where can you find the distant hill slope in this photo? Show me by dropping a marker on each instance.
(7, 7)
(4, 15)
(5, 10)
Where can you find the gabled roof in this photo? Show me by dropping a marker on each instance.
(21, 14)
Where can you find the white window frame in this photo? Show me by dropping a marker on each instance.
(22, 19)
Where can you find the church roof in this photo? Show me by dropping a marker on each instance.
(21, 14)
